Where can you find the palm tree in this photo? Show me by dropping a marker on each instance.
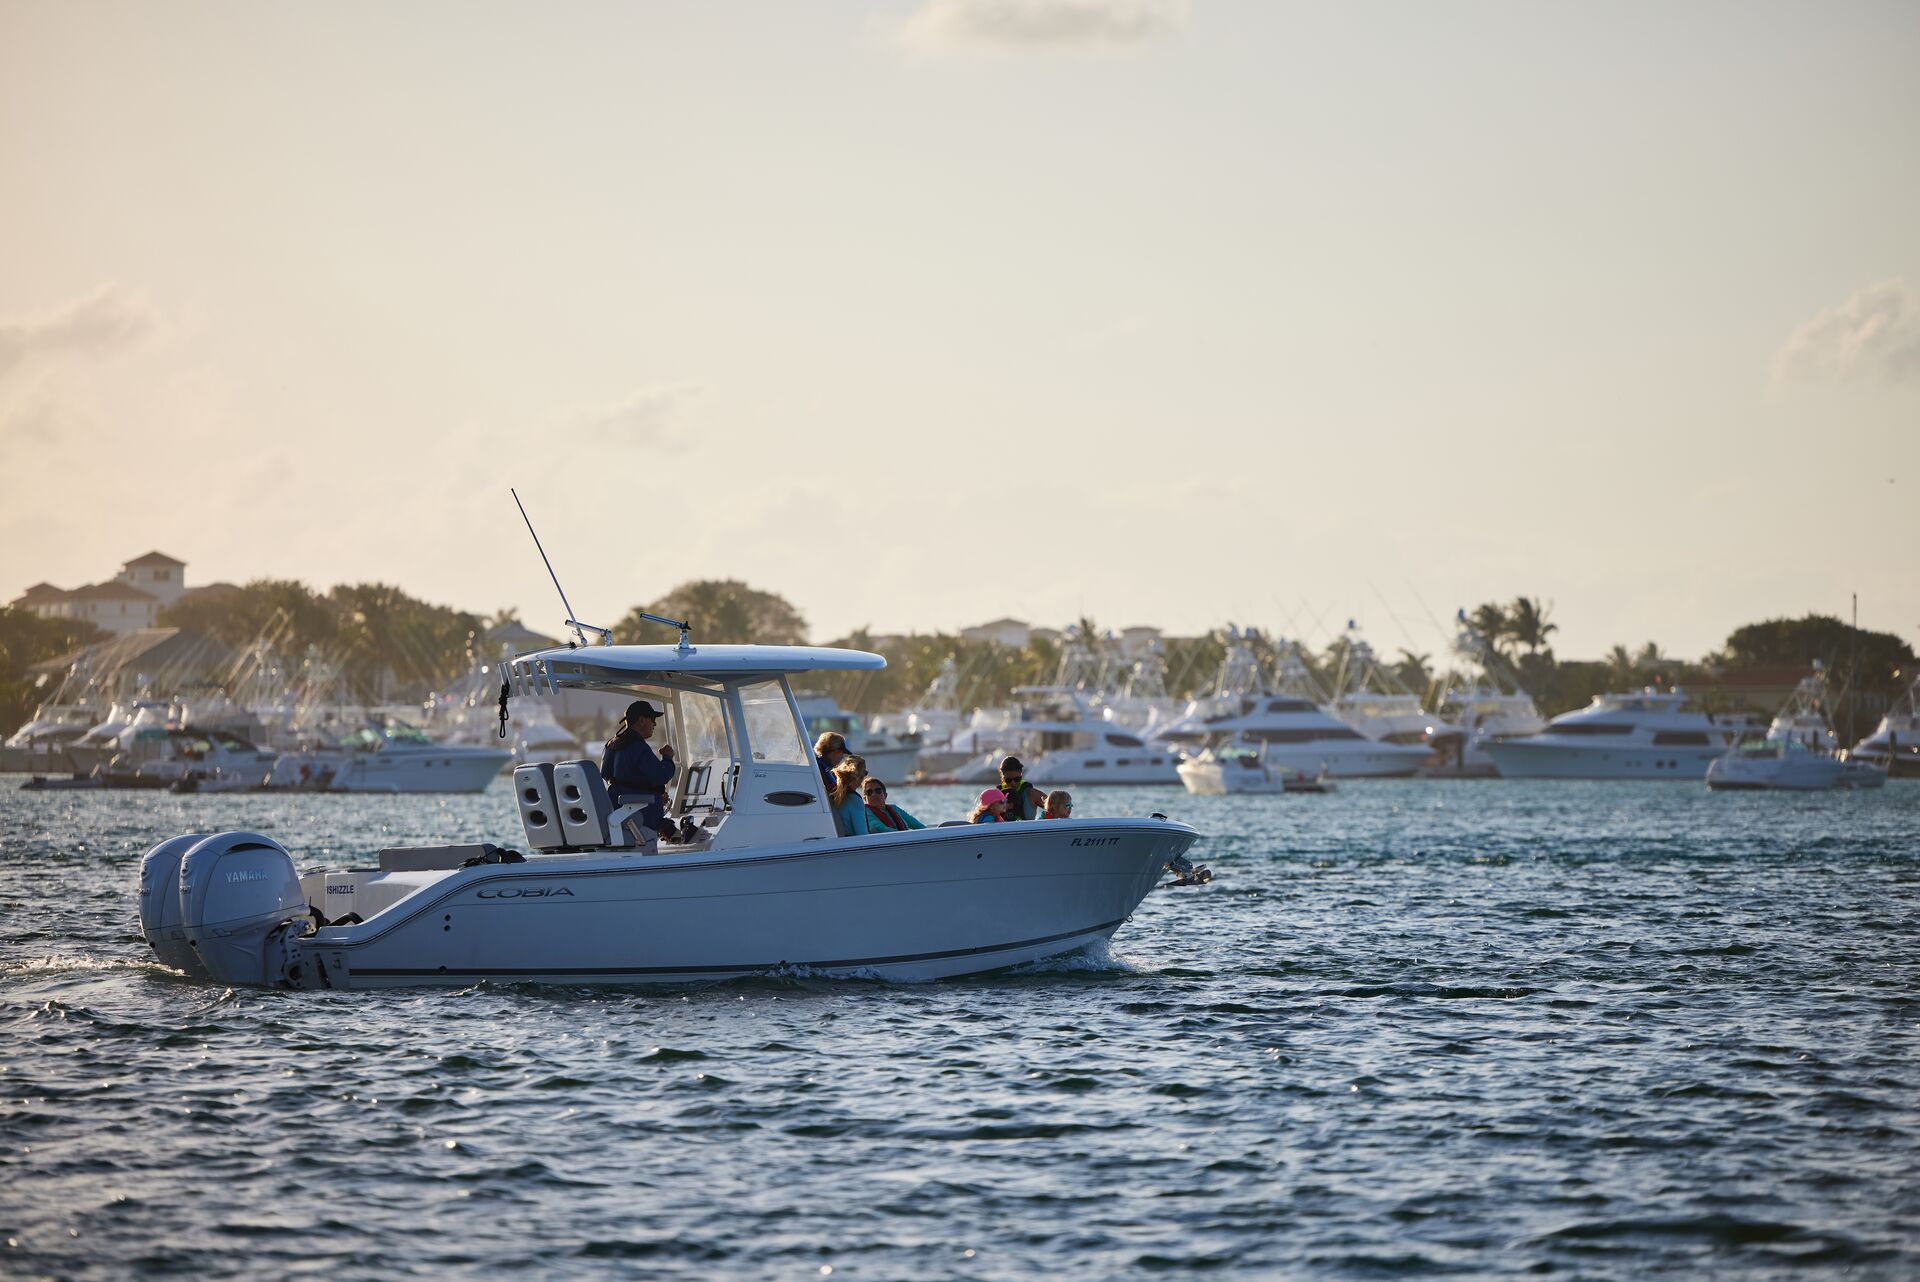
(1490, 621)
(1622, 671)
(1527, 623)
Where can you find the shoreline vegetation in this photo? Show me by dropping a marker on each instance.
(388, 646)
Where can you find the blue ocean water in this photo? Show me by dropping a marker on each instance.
(1485, 1029)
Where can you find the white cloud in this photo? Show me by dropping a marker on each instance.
(642, 418)
(105, 321)
(939, 26)
(1874, 335)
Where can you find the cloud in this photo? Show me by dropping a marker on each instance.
(941, 26)
(99, 324)
(642, 418)
(1874, 335)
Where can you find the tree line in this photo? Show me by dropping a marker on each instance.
(390, 645)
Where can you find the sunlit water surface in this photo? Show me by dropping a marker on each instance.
(1592, 1030)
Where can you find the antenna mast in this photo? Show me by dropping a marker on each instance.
(605, 634)
(606, 637)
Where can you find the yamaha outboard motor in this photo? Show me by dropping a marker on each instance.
(239, 897)
(160, 904)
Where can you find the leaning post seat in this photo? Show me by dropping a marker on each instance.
(586, 810)
(533, 789)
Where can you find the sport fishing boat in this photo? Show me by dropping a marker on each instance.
(1489, 707)
(1802, 720)
(752, 878)
(1894, 745)
(1777, 765)
(1646, 735)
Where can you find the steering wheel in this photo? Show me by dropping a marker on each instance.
(726, 787)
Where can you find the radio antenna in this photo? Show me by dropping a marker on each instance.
(606, 637)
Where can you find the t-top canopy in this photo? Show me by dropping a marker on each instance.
(621, 664)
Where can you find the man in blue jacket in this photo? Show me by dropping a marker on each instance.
(633, 773)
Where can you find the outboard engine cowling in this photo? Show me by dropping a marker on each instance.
(237, 891)
(160, 904)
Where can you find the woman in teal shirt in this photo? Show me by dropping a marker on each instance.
(849, 811)
(882, 817)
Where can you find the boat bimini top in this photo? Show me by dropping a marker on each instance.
(747, 774)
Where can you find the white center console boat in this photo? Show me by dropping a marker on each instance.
(755, 877)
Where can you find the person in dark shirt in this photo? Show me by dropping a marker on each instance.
(634, 773)
(829, 750)
(1024, 801)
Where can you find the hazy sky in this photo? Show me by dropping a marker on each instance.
(925, 313)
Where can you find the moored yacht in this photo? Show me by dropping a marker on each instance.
(1063, 741)
(754, 878)
(1285, 726)
(387, 754)
(1645, 735)
(40, 746)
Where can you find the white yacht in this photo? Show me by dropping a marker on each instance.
(1286, 726)
(1064, 742)
(1894, 745)
(1647, 735)
(40, 746)
(888, 758)
(757, 880)
(386, 754)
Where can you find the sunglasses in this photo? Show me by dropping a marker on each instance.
(875, 792)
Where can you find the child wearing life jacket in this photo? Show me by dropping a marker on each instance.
(992, 808)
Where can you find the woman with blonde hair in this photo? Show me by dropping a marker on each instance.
(844, 799)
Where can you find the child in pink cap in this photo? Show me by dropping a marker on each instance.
(992, 808)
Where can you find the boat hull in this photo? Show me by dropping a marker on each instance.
(451, 768)
(1810, 773)
(1529, 759)
(905, 907)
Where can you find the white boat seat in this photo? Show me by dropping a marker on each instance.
(588, 815)
(585, 806)
(539, 815)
